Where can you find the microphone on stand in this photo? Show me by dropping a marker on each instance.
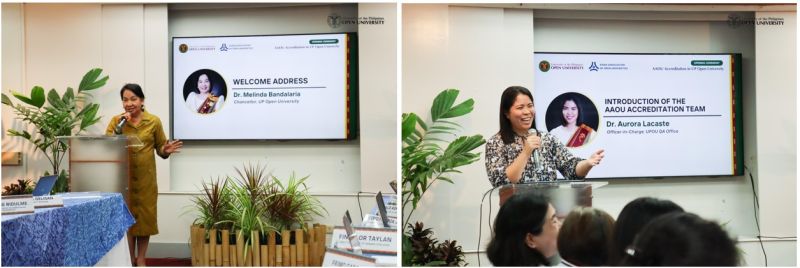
(118, 128)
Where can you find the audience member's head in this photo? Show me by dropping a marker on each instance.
(682, 239)
(525, 232)
(634, 216)
(585, 237)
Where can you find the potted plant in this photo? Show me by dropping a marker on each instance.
(426, 250)
(22, 186)
(64, 115)
(249, 207)
(256, 220)
(290, 205)
(214, 205)
(430, 154)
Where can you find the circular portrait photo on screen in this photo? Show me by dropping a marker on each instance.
(573, 118)
(205, 91)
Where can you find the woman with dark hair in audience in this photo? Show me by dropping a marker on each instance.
(509, 152)
(525, 232)
(634, 216)
(682, 239)
(585, 237)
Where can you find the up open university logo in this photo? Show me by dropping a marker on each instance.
(734, 20)
(183, 48)
(223, 47)
(544, 66)
(334, 20)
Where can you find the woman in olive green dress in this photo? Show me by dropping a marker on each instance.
(143, 190)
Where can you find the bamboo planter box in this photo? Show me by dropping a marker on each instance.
(307, 248)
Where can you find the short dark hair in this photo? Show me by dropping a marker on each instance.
(521, 214)
(574, 98)
(506, 101)
(634, 216)
(585, 237)
(682, 239)
(135, 88)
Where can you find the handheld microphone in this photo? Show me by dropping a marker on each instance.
(118, 128)
(535, 156)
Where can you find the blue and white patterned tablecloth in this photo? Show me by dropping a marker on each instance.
(78, 234)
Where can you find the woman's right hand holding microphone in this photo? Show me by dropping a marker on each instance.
(532, 142)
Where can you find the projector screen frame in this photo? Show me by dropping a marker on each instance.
(351, 103)
(737, 116)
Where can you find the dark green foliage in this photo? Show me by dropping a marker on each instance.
(291, 203)
(249, 201)
(215, 205)
(424, 159)
(56, 115)
(420, 248)
(22, 186)
(255, 201)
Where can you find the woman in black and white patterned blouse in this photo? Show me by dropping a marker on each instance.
(508, 153)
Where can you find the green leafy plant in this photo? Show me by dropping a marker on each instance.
(425, 161)
(215, 205)
(291, 205)
(249, 198)
(56, 115)
(255, 201)
(22, 186)
(429, 155)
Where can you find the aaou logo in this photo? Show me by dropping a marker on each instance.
(593, 67)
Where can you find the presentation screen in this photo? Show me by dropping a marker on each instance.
(287, 87)
(655, 115)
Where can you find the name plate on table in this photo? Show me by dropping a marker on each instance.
(391, 205)
(17, 205)
(390, 201)
(340, 258)
(48, 201)
(375, 218)
(372, 240)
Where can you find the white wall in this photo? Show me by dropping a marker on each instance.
(378, 94)
(776, 154)
(13, 58)
(483, 50)
(57, 43)
(479, 51)
(53, 45)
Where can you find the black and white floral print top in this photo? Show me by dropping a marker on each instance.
(554, 156)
